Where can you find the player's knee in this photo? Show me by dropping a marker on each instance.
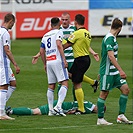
(125, 90)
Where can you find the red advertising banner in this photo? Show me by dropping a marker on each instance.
(36, 24)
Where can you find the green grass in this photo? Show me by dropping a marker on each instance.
(32, 87)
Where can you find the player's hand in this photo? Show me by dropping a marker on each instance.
(34, 59)
(123, 74)
(98, 76)
(17, 69)
(96, 56)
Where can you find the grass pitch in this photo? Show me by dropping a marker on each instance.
(32, 87)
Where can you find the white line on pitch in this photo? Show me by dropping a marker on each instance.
(45, 128)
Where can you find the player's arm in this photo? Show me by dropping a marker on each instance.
(115, 63)
(68, 44)
(11, 58)
(35, 58)
(60, 48)
(96, 56)
(43, 56)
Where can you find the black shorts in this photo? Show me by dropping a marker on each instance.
(79, 67)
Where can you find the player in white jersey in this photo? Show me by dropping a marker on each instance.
(7, 79)
(53, 57)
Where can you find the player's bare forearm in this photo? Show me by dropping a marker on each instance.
(11, 58)
(96, 56)
(10, 55)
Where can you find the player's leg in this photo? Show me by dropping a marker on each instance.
(93, 83)
(101, 103)
(80, 65)
(105, 86)
(61, 97)
(4, 82)
(123, 86)
(79, 96)
(50, 96)
(19, 111)
(3, 93)
(62, 78)
(51, 86)
(12, 85)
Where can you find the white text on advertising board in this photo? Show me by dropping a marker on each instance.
(33, 24)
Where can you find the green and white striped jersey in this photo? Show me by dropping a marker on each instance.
(69, 51)
(109, 43)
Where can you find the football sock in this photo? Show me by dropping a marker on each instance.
(58, 88)
(88, 80)
(3, 94)
(122, 103)
(73, 92)
(22, 111)
(100, 106)
(80, 99)
(10, 90)
(50, 97)
(61, 96)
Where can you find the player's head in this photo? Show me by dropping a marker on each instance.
(55, 22)
(9, 20)
(65, 19)
(116, 25)
(79, 20)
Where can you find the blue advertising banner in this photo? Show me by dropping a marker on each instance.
(110, 4)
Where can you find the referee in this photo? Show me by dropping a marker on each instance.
(80, 42)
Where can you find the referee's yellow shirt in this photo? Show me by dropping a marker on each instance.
(81, 42)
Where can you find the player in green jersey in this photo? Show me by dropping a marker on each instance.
(68, 108)
(112, 75)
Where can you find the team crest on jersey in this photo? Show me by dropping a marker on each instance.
(71, 36)
(109, 46)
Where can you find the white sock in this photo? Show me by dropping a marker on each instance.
(3, 94)
(61, 95)
(10, 90)
(50, 97)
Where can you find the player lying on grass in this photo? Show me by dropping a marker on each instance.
(68, 108)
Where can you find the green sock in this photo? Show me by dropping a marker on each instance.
(122, 103)
(100, 105)
(58, 88)
(73, 92)
(22, 111)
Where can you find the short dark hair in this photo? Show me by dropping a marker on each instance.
(117, 23)
(55, 21)
(9, 17)
(80, 19)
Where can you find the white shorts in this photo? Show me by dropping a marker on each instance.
(56, 72)
(6, 75)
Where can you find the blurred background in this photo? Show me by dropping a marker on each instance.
(33, 16)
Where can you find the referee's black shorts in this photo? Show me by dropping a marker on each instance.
(79, 67)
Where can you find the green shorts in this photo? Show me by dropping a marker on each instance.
(69, 66)
(108, 82)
